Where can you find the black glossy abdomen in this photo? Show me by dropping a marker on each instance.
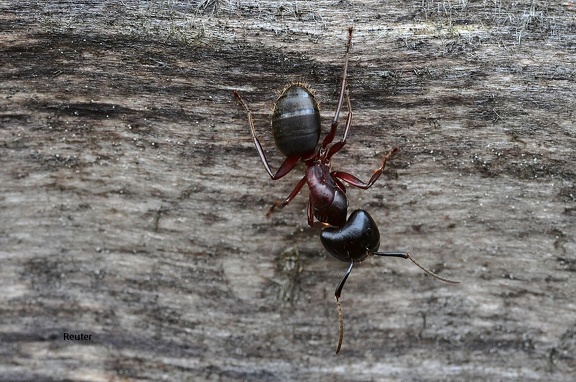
(296, 121)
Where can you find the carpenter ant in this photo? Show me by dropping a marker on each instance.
(354, 242)
(296, 130)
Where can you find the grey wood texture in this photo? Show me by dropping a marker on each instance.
(132, 199)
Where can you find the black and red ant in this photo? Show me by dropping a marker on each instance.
(296, 130)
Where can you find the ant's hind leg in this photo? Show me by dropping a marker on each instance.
(289, 162)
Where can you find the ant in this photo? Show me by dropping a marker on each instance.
(358, 239)
(296, 129)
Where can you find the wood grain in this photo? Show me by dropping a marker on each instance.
(132, 199)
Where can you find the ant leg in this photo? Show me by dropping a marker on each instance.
(338, 146)
(339, 308)
(292, 195)
(330, 137)
(404, 255)
(354, 181)
(340, 184)
(288, 163)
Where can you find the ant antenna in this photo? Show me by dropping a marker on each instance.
(341, 320)
(407, 256)
(339, 307)
(403, 255)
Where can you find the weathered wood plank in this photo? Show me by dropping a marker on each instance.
(132, 199)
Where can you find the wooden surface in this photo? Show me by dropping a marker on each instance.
(132, 199)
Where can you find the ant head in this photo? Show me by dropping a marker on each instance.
(355, 240)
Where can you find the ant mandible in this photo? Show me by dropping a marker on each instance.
(296, 130)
